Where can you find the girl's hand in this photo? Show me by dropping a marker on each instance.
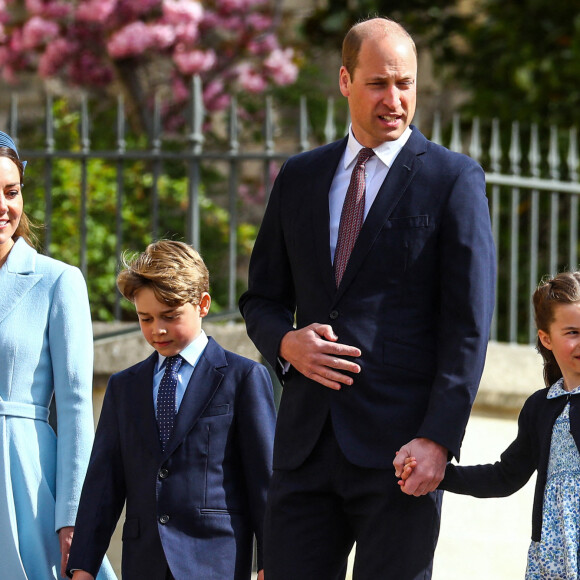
(410, 464)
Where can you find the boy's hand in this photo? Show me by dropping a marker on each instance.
(65, 536)
(260, 574)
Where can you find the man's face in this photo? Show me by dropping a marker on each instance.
(382, 92)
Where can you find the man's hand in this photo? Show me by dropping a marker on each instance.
(65, 536)
(314, 352)
(431, 459)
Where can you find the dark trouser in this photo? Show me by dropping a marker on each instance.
(315, 514)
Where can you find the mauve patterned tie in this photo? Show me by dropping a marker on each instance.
(352, 216)
(166, 399)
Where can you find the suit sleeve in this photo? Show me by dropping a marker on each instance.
(103, 494)
(269, 304)
(502, 478)
(256, 422)
(71, 348)
(467, 274)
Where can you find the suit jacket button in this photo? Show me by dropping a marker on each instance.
(333, 315)
(163, 473)
(163, 519)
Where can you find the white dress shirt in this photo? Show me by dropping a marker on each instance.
(376, 170)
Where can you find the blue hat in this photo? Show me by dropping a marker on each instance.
(6, 141)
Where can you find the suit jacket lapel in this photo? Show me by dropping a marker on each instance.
(18, 277)
(400, 175)
(139, 391)
(204, 382)
(322, 182)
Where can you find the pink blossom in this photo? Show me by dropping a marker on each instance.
(232, 5)
(139, 7)
(86, 69)
(38, 31)
(215, 97)
(280, 66)
(259, 21)
(34, 6)
(249, 78)
(131, 40)
(182, 11)
(57, 10)
(96, 10)
(163, 35)
(193, 61)
(179, 89)
(56, 54)
(187, 32)
(265, 43)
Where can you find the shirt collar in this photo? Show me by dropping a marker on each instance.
(558, 390)
(386, 151)
(191, 352)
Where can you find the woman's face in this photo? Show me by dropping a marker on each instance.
(10, 204)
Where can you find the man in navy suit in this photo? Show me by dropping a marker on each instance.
(196, 492)
(388, 354)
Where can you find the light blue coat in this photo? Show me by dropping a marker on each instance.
(46, 348)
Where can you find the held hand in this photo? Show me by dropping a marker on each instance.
(65, 536)
(314, 352)
(410, 464)
(82, 575)
(430, 460)
(260, 575)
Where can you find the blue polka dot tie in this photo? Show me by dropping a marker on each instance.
(166, 409)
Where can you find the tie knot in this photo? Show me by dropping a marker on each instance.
(364, 155)
(172, 363)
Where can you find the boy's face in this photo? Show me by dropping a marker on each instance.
(169, 329)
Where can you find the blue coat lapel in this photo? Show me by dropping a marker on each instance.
(140, 392)
(322, 182)
(400, 175)
(18, 277)
(204, 383)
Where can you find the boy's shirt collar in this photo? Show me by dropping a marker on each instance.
(190, 353)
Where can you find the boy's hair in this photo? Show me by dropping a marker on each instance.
(174, 271)
(561, 289)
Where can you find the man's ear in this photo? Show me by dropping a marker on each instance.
(545, 339)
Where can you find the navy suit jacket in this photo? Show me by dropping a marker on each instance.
(417, 298)
(197, 506)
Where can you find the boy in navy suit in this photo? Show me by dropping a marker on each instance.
(194, 476)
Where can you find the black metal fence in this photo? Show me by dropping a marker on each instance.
(532, 184)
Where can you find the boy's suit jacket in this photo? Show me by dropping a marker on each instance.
(416, 297)
(197, 506)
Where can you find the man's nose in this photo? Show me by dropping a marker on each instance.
(392, 97)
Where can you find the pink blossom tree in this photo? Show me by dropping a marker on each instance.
(147, 47)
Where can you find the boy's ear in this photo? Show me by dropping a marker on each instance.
(545, 339)
(204, 304)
